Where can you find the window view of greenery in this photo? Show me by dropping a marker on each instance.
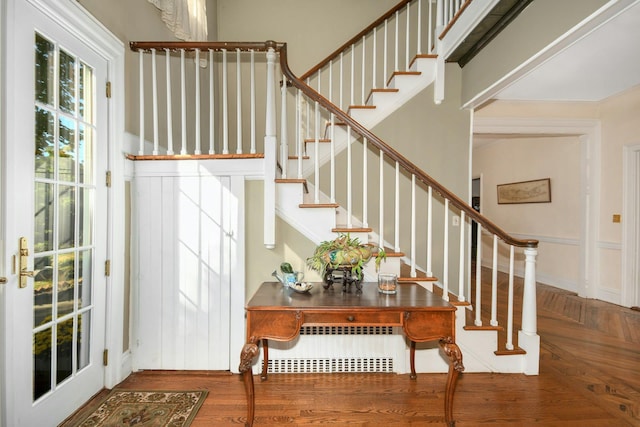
(63, 198)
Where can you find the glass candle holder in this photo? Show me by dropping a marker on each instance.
(387, 283)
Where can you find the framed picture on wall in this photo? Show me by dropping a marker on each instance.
(536, 191)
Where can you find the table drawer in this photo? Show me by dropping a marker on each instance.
(353, 318)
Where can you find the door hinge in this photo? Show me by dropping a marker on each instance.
(108, 179)
(108, 89)
(107, 268)
(105, 357)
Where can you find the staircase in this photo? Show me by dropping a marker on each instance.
(326, 117)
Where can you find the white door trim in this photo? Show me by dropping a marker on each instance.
(589, 132)
(630, 225)
(82, 25)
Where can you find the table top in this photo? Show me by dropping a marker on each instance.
(274, 296)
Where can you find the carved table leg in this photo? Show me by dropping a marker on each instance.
(265, 359)
(412, 360)
(454, 354)
(249, 352)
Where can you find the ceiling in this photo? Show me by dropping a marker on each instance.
(601, 64)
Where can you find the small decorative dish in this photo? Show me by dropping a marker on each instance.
(301, 287)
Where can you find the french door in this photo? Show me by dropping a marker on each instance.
(55, 226)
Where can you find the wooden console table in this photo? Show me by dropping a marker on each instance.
(276, 313)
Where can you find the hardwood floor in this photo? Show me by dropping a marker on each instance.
(589, 376)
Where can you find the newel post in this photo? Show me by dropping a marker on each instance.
(270, 155)
(528, 338)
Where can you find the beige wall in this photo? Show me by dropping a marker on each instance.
(138, 20)
(555, 224)
(312, 29)
(291, 246)
(617, 116)
(539, 24)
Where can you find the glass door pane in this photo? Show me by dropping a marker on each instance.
(64, 216)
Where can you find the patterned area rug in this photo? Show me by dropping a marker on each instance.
(125, 408)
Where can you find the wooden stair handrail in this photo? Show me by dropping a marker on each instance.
(281, 48)
(355, 39)
(217, 46)
(394, 155)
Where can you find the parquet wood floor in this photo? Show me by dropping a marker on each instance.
(589, 376)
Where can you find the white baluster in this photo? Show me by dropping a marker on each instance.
(308, 116)
(141, 95)
(419, 29)
(364, 54)
(238, 103)
(197, 98)
(375, 59)
(332, 155)
(396, 245)
(212, 105)
(330, 97)
(349, 179)
(183, 103)
(169, 112)
(353, 71)
(478, 305)
(430, 30)
(445, 267)
(407, 34)
(381, 201)
(299, 149)
(429, 231)
(461, 273)
(284, 142)
(316, 155)
(494, 284)
(253, 102)
(365, 183)
(397, 43)
(413, 225)
(154, 85)
(341, 79)
(225, 104)
(509, 343)
(385, 53)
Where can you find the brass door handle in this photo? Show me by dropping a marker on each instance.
(3, 280)
(24, 259)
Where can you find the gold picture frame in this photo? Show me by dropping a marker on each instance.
(535, 191)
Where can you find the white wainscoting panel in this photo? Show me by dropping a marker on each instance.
(182, 289)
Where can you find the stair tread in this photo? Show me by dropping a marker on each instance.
(422, 56)
(293, 157)
(345, 229)
(307, 140)
(417, 279)
(483, 328)
(391, 254)
(362, 107)
(505, 352)
(318, 205)
(402, 73)
(290, 180)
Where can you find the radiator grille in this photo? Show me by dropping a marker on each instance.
(346, 330)
(330, 365)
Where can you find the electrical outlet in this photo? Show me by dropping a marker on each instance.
(455, 221)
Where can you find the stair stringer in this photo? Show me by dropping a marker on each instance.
(386, 103)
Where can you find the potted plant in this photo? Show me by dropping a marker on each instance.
(345, 254)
